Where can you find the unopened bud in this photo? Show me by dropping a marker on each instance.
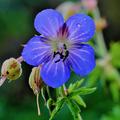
(11, 69)
(35, 81)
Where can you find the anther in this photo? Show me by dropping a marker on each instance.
(66, 55)
(57, 61)
(65, 47)
(55, 53)
(63, 54)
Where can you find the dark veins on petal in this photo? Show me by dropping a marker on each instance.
(63, 31)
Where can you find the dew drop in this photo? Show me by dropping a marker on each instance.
(78, 25)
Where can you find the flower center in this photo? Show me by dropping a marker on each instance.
(61, 53)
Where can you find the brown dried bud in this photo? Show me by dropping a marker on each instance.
(35, 81)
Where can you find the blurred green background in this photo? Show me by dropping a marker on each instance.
(17, 100)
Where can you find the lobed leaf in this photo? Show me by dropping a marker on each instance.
(82, 91)
(75, 85)
(79, 100)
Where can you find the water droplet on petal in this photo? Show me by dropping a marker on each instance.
(78, 25)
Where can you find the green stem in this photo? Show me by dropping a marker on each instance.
(57, 92)
(37, 101)
(48, 92)
(49, 95)
(101, 47)
(43, 96)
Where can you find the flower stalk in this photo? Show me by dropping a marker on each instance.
(11, 69)
(38, 106)
(48, 92)
(2, 80)
(20, 59)
(35, 83)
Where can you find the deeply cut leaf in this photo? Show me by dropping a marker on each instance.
(79, 100)
(82, 91)
(75, 85)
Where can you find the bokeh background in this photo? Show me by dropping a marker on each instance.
(17, 100)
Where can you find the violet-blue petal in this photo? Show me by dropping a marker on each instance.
(36, 51)
(55, 74)
(82, 59)
(81, 28)
(48, 23)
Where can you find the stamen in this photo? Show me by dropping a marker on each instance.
(55, 53)
(65, 47)
(66, 55)
(61, 56)
(62, 53)
(57, 60)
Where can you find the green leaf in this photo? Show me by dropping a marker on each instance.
(79, 100)
(58, 106)
(75, 85)
(82, 91)
(74, 108)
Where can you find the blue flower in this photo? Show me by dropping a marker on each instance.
(60, 48)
